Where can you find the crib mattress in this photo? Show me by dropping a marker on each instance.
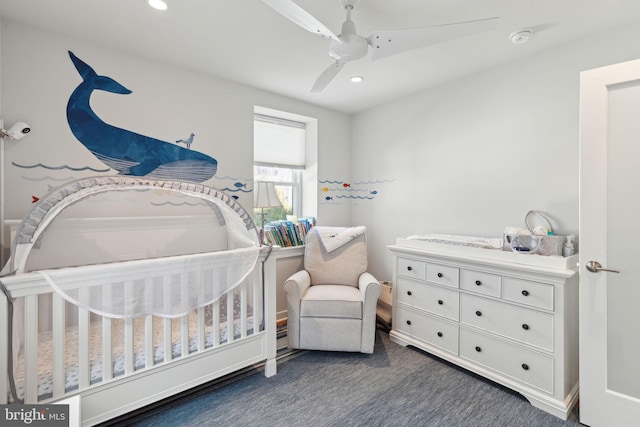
(72, 376)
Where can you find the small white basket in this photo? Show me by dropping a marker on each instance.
(549, 245)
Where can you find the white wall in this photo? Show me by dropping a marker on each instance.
(469, 157)
(168, 103)
(475, 155)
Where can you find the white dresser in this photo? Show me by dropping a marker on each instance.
(512, 318)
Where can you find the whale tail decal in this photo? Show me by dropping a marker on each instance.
(85, 71)
(126, 151)
(93, 79)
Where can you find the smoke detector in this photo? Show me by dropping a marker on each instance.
(520, 37)
(348, 3)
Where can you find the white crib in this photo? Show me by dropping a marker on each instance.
(117, 365)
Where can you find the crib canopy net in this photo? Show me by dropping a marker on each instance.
(149, 247)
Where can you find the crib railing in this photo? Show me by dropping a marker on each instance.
(56, 340)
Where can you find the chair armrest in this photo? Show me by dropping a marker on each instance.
(371, 290)
(295, 287)
(369, 287)
(296, 284)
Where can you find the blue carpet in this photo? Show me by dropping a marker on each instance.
(395, 386)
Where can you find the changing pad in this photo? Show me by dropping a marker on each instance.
(476, 242)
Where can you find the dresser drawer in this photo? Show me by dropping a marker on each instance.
(442, 274)
(432, 298)
(484, 283)
(529, 367)
(432, 330)
(530, 293)
(519, 323)
(412, 268)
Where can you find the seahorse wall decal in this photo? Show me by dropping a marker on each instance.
(125, 151)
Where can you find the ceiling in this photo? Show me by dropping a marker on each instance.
(248, 42)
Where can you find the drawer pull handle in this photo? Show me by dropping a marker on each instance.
(525, 326)
(478, 349)
(478, 313)
(440, 334)
(409, 268)
(525, 366)
(440, 302)
(408, 322)
(525, 293)
(440, 275)
(409, 293)
(478, 283)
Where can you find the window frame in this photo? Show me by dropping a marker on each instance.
(306, 178)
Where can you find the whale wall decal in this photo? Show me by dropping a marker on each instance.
(125, 151)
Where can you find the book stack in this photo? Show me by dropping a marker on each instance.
(288, 233)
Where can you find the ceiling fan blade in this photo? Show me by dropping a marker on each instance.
(387, 43)
(327, 75)
(301, 17)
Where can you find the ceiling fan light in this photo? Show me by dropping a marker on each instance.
(356, 79)
(157, 4)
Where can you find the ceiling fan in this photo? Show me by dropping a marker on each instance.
(349, 46)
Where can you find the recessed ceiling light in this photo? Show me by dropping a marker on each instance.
(357, 79)
(520, 37)
(157, 4)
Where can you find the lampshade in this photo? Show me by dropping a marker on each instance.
(265, 195)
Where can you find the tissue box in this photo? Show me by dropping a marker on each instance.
(552, 245)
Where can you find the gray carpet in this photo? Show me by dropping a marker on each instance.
(395, 386)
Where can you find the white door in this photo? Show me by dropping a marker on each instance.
(609, 230)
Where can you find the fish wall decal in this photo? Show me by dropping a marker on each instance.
(128, 152)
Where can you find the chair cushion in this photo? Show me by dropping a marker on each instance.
(341, 266)
(335, 301)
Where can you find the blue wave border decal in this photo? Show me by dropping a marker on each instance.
(54, 168)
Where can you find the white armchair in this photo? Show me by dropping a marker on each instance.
(332, 302)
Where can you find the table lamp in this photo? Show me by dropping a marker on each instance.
(265, 197)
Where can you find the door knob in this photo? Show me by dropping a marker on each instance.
(595, 266)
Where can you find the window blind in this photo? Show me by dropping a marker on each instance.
(278, 142)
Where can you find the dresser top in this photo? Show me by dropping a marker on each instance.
(487, 255)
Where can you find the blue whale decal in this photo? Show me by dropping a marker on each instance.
(125, 151)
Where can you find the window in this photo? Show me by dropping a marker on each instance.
(279, 156)
(288, 188)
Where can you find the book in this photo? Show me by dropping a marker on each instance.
(289, 232)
